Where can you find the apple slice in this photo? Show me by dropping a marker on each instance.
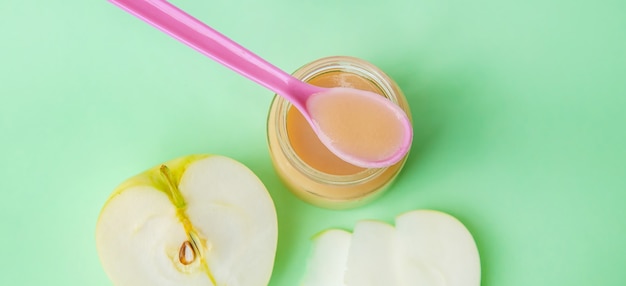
(328, 260)
(437, 250)
(425, 248)
(197, 220)
(372, 255)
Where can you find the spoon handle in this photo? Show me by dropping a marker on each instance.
(192, 32)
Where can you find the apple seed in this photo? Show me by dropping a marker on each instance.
(186, 254)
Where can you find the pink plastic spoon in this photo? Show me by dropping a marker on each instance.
(360, 127)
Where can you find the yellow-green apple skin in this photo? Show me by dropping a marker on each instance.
(195, 220)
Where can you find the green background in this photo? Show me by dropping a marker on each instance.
(519, 110)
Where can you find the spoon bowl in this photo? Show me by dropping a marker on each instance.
(360, 127)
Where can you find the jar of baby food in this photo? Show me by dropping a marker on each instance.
(304, 164)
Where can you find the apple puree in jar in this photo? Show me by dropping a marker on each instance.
(304, 140)
(305, 165)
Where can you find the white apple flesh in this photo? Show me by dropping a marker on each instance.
(327, 264)
(372, 256)
(437, 250)
(425, 248)
(198, 220)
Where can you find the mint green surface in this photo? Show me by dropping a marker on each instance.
(519, 109)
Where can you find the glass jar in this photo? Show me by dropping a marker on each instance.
(306, 166)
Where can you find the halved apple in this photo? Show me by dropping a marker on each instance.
(196, 220)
